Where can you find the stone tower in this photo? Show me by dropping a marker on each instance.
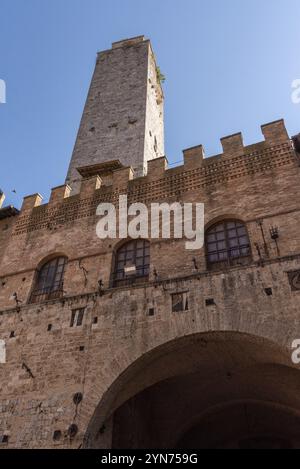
(123, 114)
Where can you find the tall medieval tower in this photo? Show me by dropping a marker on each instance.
(123, 115)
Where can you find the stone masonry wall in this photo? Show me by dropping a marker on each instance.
(48, 361)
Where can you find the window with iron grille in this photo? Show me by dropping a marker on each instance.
(227, 243)
(132, 263)
(49, 281)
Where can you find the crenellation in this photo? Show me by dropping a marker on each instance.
(31, 201)
(89, 186)
(121, 178)
(58, 194)
(232, 145)
(157, 168)
(193, 157)
(161, 183)
(275, 132)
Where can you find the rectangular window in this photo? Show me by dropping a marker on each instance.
(180, 302)
(77, 317)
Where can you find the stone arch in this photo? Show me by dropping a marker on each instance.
(50, 257)
(132, 372)
(213, 220)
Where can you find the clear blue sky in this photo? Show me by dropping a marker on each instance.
(229, 66)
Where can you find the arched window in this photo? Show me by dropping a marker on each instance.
(132, 262)
(227, 243)
(49, 281)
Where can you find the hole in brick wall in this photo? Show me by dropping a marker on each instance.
(92, 129)
(73, 430)
(269, 291)
(151, 312)
(210, 302)
(95, 320)
(3, 284)
(12, 335)
(5, 439)
(24, 279)
(81, 348)
(57, 435)
(49, 328)
(77, 398)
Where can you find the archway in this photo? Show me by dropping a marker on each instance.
(211, 390)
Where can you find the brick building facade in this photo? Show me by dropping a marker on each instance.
(195, 349)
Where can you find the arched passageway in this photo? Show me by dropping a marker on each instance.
(213, 390)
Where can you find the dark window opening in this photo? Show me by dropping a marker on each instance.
(227, 244)
(210, 302)
(180, 302)
(155, 145)
(49, 281)
(57, 435)
(77, 317)
(77, 398)
(132, 263)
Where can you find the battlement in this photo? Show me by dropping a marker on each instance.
(194, 158)
(162, 182)
(233, 145)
